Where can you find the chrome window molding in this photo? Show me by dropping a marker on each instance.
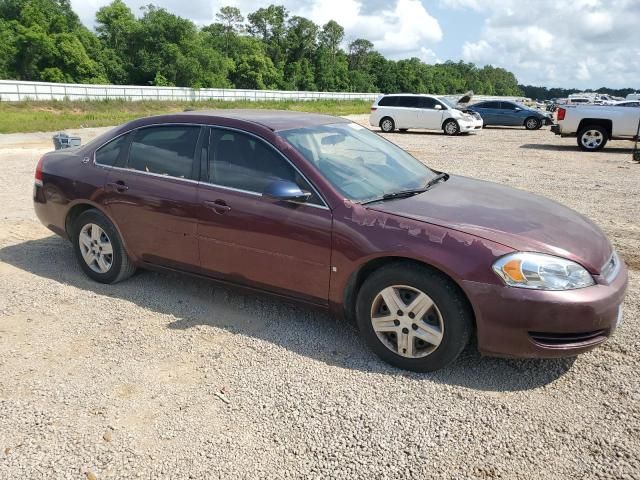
(258, 195)
(188, 180)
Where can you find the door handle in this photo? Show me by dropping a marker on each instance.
(218, 206)
(118, 186)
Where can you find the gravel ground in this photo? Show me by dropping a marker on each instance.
(164, 376)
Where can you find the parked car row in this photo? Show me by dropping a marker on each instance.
(593, 125)
(409, 111)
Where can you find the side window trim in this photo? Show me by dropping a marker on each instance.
(204, 173)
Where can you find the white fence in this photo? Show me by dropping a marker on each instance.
(14, 91)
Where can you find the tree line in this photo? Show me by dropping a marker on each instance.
(544, 93)
(44, 40)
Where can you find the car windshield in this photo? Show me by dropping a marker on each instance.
(361, 165)
(449, 103)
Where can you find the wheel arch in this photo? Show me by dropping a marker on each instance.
(384, 118)
(449, 119)
(82, 206)
(600, 122)
(358, 277)
(528, 117)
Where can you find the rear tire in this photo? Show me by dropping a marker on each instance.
(532, 123)
(99, 249)
(387, 125)
(435, 331)
(451, 127)
(592, 138)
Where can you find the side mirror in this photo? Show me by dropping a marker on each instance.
(438, 107)
(517, 109)
(285, 190)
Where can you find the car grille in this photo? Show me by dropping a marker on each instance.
(552, 339)
(610, 269)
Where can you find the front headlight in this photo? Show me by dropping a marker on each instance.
(541, 272)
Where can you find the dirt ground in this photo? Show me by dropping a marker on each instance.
(165, 376)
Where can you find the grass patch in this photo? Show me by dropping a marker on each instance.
(48, 116)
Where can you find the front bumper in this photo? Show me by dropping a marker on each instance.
(516, 322)
(470, 125)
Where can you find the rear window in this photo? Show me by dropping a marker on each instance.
(108, 154)
(388, 101)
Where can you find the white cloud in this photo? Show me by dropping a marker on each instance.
(583, 43)
(401, 29)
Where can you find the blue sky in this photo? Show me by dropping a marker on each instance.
(565, 43)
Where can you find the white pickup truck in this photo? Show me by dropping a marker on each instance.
(594, 125)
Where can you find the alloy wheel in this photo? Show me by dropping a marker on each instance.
(451, 128)
(96, 248)
(532, 123)
(592, 139)
(407, 321)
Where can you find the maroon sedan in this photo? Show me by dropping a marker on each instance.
(322, 210)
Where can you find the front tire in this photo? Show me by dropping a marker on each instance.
(387, 125)
(413, 317)
(451, 127)
(532, 123)
(592, 138)
(99, 249)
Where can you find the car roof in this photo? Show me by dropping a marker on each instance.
(274, 120)
(408, 95)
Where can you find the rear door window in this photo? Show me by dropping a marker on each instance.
(491, 105)
(508, 106)
(164, 150)
(388, 102)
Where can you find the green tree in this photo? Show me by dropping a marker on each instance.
(270, 26)
(47, 37)
(44, 40)
(231, 20)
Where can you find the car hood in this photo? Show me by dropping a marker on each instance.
(511, 217)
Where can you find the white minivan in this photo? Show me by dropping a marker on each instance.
(404, 111)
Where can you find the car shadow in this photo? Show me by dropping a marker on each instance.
(412, 131)
(310, 332)
(506, 127)
(572, 148)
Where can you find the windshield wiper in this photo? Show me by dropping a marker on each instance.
(403, 194)
(409, 193)
(436, 179)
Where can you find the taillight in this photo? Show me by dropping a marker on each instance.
(38, 180)
(561, 113)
